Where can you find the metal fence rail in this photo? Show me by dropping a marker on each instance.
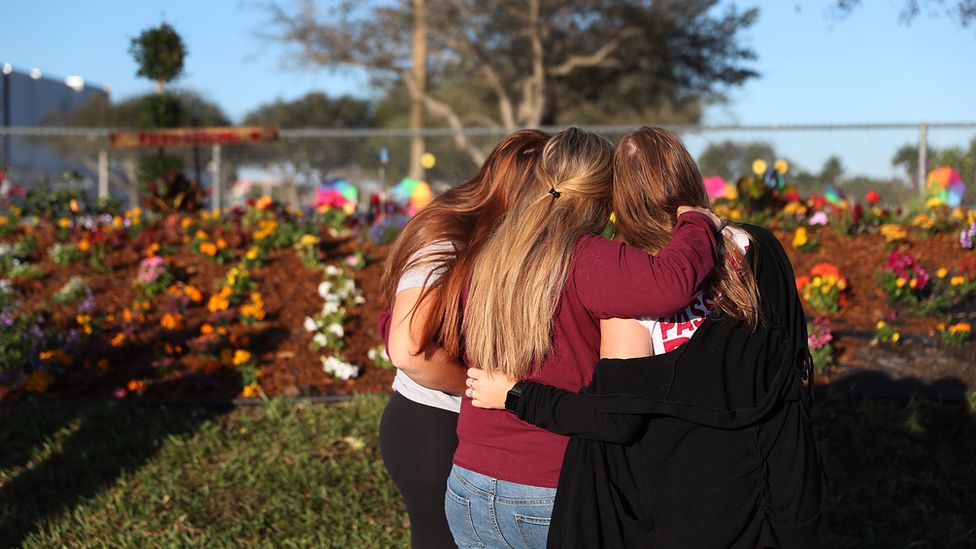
(291, 168)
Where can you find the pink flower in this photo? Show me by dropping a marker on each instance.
(819, 218)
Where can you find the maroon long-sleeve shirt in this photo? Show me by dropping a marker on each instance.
(606, 279)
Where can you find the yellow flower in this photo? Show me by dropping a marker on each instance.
(800, 237)
(825, 290)
(186, 223)
(880, 324)
(308, 240)
(74, 206)
(64, 223)
(200, 235)
(38, 382)
(893, 232)
(251, 390)
(900, 282)
(241, 356)
(252, 253)
(957, 280)
(759, 167)
(895, 337)
(913, 283)
(941, 273)
(4, 220)
(817, 281)
(842, 284)
(934, 202)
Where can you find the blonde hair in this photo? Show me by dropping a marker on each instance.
(654, 174)
(519, 275)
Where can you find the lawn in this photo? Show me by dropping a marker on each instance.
(902, 474)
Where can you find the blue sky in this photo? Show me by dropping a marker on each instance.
(867, 67)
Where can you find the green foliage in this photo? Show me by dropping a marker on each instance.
(65, 253)
(162, 111)
(15, 354)
(159, 52)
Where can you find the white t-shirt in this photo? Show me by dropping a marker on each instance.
(669, 333)
(416, 277)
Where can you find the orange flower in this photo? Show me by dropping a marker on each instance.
(136, 385)
(153, 248)
(208, 248)
(241, 356)
(83, 244)
(825, 269)
(193, 293)
(38, 382)
(171, 321)
(118, 340)
(206, 329)
(251, 390)
(217, 303)
(801, 282)
(221, 243)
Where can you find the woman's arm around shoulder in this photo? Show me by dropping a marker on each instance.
(617, 280)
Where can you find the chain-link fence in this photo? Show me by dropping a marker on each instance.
(294, 166)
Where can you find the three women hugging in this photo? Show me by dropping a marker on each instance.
(647, 391)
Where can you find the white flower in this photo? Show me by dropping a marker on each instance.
(325, 288)
(359, 300)
(338, 368)
(332, 270)
(310, 324)
(320, 339)
(336, 329)
(371, 354)
(330, 307)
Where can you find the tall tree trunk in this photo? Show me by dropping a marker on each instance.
(420, 79)
(159, 87)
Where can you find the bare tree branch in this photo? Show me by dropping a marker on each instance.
(445, 111)
(597, 58)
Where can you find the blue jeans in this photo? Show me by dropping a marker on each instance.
(486, 512)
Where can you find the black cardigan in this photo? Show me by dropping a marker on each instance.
(710, 445)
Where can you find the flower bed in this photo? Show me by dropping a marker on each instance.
(262, 300)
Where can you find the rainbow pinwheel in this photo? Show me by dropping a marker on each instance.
(945, 184)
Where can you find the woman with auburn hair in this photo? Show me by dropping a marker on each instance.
(538, 290)
(423, 277)
(696, 429)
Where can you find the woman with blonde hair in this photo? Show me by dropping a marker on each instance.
(696, 429)
(424, 274)
(538, 290)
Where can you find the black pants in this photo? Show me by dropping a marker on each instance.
(418, 442)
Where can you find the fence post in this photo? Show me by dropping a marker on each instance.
(103, 174)
(923, 133)
(216, 198)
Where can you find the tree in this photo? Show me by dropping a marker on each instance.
(732, 160)
(545, 62)
(160, 53)
(964, 11)
(99, 112)
(963, 160)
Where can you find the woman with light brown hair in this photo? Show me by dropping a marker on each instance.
(422, 282)
(696, 429)
(538, 290)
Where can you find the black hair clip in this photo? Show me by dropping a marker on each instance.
(554, 192)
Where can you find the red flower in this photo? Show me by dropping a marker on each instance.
(801, 282)
(872, 198)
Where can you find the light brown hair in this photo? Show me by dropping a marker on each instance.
(520, 273)
(654, 174)
(464, 215)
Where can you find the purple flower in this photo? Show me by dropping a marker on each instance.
(819, 218)
(967, 235)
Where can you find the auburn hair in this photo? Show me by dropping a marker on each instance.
(464, 216)
(519, 275)
(654, 174)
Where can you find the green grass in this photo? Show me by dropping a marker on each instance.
(290, 475)
(287, 475)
